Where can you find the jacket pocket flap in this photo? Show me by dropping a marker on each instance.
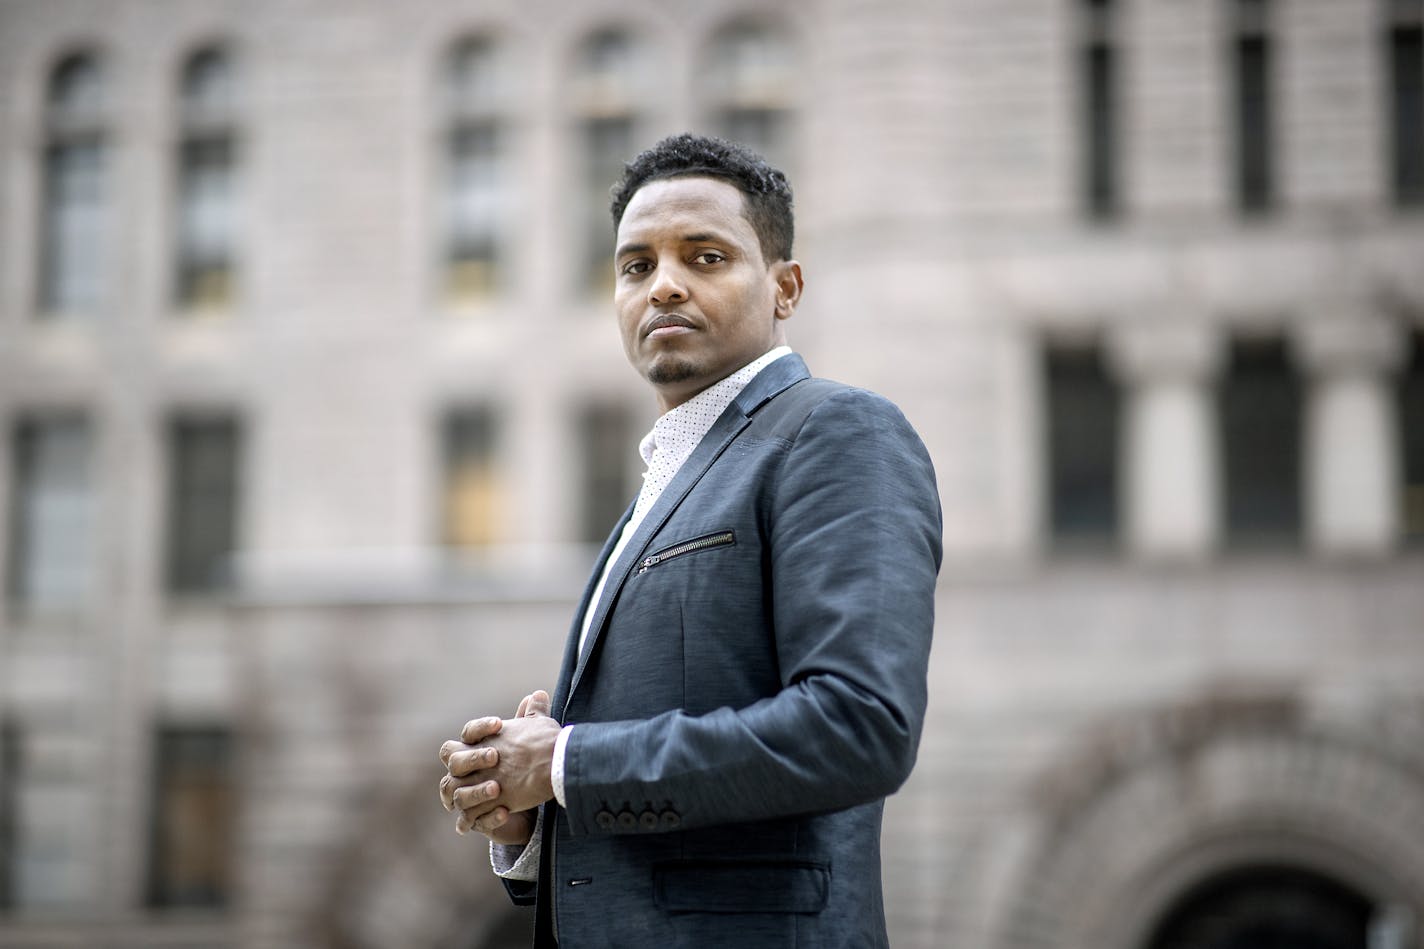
(779, 886)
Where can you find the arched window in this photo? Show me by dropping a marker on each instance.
(607, 73)
(476, 183)
(749, 88)
(205, 228)
(72, 212)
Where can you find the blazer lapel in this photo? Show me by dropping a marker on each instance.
(768, 383)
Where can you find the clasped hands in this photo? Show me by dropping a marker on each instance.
(499, 771)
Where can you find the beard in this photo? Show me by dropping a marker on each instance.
(672, 369)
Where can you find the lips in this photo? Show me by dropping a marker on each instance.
(666, 321)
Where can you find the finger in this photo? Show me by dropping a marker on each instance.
(492, 821)
(465, 821)
(476, 798)
(449, 748)
(447, 792)
(537, 704)
(463, 763)
(523, 704)
(480, 728)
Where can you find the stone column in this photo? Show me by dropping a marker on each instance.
(1351, 455)
(1171, 470)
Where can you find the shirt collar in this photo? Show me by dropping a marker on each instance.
(680, 429)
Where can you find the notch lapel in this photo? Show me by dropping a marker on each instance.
(774, 379)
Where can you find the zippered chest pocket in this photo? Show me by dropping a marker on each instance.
(695, 545)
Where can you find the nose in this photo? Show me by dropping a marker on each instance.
(668, 286)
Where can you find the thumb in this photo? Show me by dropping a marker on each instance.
(538, 704)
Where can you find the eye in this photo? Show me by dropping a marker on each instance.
(635, 267)
(709, 257)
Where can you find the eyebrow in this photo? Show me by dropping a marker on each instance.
(701, 237)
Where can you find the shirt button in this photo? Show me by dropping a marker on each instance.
(604, 819)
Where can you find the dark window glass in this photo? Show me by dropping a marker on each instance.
(1260, 428)
(473, 494)
(9, 810)
(750, 77)
(1098, 102)
(1082, 416)
(204, 492)
(51, 514)
(606, 433)
(1255, 178)
(193, 813)
(1411, 417)
(1406, 64)
(1267, 908)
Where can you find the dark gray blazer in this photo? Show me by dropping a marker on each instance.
(753, 685)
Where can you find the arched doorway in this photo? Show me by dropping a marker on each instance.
(1266, 907)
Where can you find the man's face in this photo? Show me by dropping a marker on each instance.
(696, 301)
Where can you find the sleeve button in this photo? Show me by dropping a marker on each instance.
(648, 820)
(604, 819)
(626, 820)
(670, 820)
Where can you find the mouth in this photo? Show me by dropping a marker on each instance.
(667, 324)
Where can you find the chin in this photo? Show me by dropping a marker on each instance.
(671, 370)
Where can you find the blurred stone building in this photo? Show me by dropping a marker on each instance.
(312, 413)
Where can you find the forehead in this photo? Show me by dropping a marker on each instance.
(678, 206)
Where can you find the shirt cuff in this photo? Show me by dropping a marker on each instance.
(556, 770)
(513, 862)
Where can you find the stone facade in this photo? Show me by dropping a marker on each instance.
(1105, 732)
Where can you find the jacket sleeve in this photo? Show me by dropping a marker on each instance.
(854, 548)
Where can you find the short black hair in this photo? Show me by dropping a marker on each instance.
(766, 193)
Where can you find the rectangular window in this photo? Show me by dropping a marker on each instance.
(204, 492)
(1406, 65)
(9, 807)
(1099, 120)
(473, 495)
(1260, 413)
(1082, 427)
(473, 205)
(1411, 418)
(1255, 178)
(191, 839)
(71, 250)
(51, 523)
(205, 223)
(608, 143)
(609, 447)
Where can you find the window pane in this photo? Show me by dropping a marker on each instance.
(192, 826)
(608, 143)
(52, 513)
(205, 222)
(204, 458)
(1098, 101)
(1260, 426)
(75, 94)
(749, 81)
(609, 447)
(1407, 82)
(1082, 418)
(474, 208)
(473, 493)
(209, 89)
(1411, 416)
(1254, 175)
(9, 807)
(71, 257)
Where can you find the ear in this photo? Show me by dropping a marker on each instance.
(787, 276)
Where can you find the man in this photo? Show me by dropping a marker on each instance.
(744, 682)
